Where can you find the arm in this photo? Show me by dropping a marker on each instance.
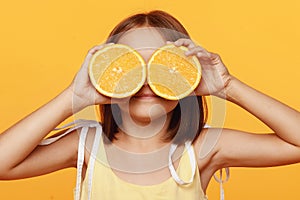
(20, 140)
(282, 119)
(20, 155)
(238, 148)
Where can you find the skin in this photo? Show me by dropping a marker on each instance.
(21, 156)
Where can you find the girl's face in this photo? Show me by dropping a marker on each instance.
(145, 105)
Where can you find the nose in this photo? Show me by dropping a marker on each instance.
(146, 85)
(146, 88)
(146, 80)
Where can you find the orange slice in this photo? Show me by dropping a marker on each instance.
(117, 71)
(171, 74)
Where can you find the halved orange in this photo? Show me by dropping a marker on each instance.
(117, 71)
(171, 74)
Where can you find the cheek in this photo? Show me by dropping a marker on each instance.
(169, 105)
(160, 109)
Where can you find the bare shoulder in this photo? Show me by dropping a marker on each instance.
(207, 147)
(67, 144)
(215, 147)
(72, 140)
(88, 144)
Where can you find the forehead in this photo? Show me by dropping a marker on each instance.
(142, 38)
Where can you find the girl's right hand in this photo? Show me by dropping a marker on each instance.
(82, 90)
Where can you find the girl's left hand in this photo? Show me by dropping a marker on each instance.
(215, 76)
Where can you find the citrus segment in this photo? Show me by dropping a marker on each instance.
(171, 74)
(117, 71)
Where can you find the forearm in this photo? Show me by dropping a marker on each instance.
(282, 119)
(20, 140)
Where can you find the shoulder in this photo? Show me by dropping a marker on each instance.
(67, 137)
(209, 145)
(71, 139)
(90, 139)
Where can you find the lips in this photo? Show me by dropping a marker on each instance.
(145, 95)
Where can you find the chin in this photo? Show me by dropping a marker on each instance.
(144, 119)
(147, 110)
(146, 105)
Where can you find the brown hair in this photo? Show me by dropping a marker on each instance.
(189, 116)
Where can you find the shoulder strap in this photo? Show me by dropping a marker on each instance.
(209, 143)
(191, 153)
(221, 181)
(93, 156)
(85, 125)
(80, 161)
(71, 127)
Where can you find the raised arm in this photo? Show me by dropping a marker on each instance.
(238, 148)
(20, 140)
(20, 155)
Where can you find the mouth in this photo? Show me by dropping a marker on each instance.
(145, 96)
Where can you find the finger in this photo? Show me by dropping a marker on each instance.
(184, 42)
(109, 44)
(198, 51)
(98, 47)
(191, 45)
(203, 56)
(181, 42)
(93, 50)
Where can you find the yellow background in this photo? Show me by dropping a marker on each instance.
(43, 44)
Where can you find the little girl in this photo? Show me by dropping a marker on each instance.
(147, 147)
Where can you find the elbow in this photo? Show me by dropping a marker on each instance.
(6, 174)
(3, 175)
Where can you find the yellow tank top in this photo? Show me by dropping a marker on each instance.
(106, 185)
(101, 183)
